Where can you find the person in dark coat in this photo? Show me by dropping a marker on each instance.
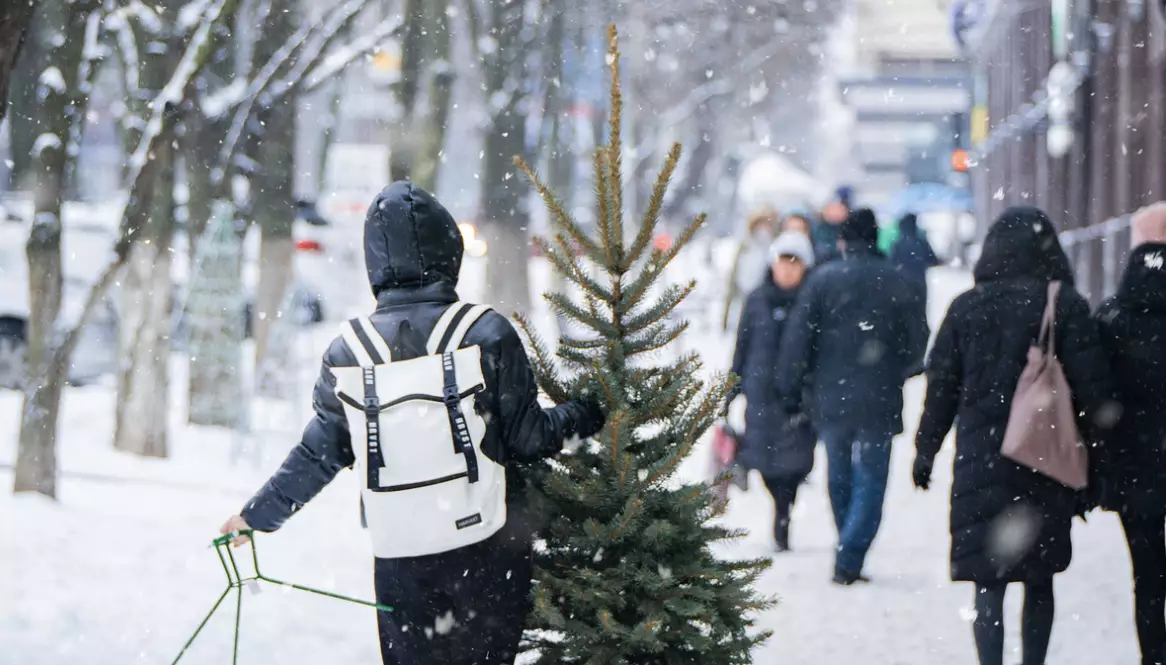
(1133, 331)
(778, 446)
(1008, 522)
(913, 254)
(856, 335)
(413, 253)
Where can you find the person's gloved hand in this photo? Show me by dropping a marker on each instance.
(593, 418)
(921, 472)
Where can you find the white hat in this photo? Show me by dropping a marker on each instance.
(795, 244)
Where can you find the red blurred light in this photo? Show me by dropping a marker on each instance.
(309, 246)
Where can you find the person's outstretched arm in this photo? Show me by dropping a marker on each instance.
(526, 431)
(324, 449)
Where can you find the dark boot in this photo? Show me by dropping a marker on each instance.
(781, 533)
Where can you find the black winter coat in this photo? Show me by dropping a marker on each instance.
(913, 255)
(857, 334)
(773, 443)
(413, 253)
(1133, 331)
(1008, 523)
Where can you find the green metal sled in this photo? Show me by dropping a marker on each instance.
(236, 580)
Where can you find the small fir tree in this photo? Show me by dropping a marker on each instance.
(628, 574)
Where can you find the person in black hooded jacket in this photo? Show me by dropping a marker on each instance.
(855, 336)
(413, 252)
(1133, 331)
(1008, 522)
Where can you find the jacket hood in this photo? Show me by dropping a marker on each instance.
(1144, 281)
(1023, 243)
(410, 240)
(909, 225)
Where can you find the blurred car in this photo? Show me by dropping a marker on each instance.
(85, 247)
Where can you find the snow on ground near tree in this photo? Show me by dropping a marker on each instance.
(119, 570)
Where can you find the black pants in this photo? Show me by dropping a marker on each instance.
(1146, 535)
(1036, 624)
(784, 490)
(463, 607)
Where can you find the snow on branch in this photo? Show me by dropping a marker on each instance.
(91, 56)
(127, 46)
(340, 61)
(311, 67)
(141, 178)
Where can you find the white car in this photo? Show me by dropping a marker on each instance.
(85, 247)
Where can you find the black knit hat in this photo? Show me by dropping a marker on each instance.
(861, 227)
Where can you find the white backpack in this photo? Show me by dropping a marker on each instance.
(426, 487)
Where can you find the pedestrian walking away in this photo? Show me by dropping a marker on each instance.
(1009, 523)
(855, 336)
(913, 254)
(450, 536)
(778, 445)
(749, 263)
(1133, 480)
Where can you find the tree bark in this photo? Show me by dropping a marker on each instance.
(24, 121)
(15, 19)
(36, 461)
(143, 400)
(272, 195)
(504, 192)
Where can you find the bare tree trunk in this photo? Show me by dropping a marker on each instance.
(439, 96)
(15, 19)
(36, 461)
(24, 121)
(143, 402)
(272, 196)
(504, 194)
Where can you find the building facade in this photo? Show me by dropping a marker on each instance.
(1070, 116)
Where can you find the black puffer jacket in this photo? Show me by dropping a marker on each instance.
(773, 443)
(858, 333)
(413, 253)
(1008, 523)
(1133, 330)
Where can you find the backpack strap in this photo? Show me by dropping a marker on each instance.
(366, 343)
(453, 338)
(372, 424)
(452, 327)
(462, 443)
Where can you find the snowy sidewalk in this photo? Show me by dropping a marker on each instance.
(119, 572)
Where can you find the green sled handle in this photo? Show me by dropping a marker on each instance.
(236, 580)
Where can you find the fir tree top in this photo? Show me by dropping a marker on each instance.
(628, 574)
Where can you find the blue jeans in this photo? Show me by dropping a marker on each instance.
(858, 461)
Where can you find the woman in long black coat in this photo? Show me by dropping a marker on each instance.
(1008, 523)
(781, 448)
(1133, 331)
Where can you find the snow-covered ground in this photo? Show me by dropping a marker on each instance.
(119, 571)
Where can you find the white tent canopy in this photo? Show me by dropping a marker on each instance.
(770, 180)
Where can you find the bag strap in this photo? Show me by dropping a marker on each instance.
(452, 327)
(366, 343)
(372, 425)
(1048, 325)
(462, 442)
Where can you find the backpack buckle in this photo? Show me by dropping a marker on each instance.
(451, 396)
(372, 406)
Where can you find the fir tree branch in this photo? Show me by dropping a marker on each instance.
(655, 205)
(667, 302)
(545, 373)
(559, 214)
(562, 305)
(581, 277)
(654, 338)
(604, 218)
